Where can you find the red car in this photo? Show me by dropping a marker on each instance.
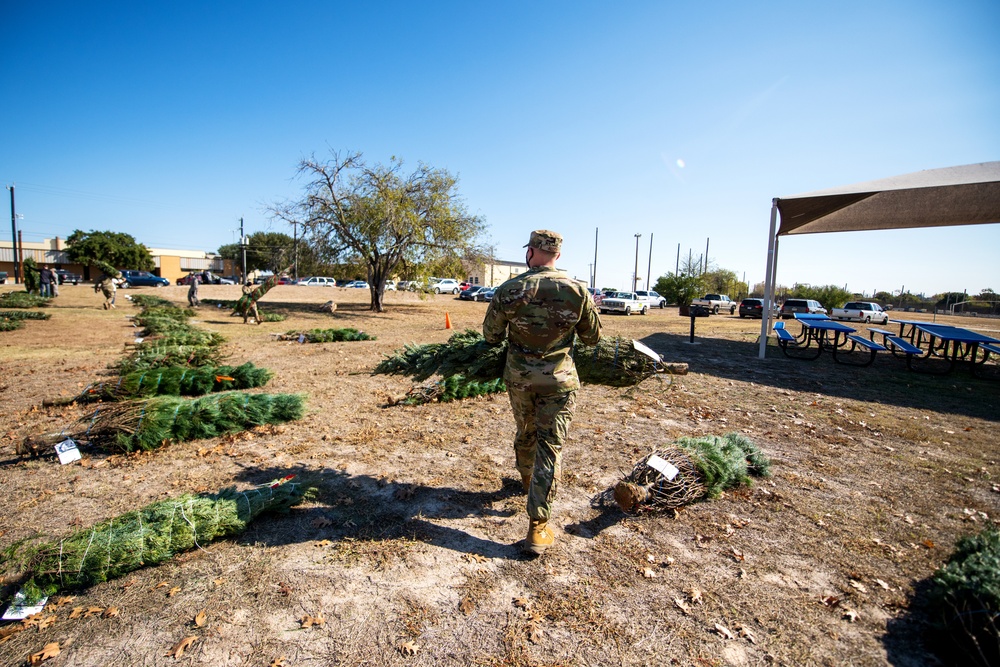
(464, 285)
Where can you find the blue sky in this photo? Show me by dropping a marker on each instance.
(170, 121)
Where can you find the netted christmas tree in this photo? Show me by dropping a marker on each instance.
(964, 601)
(686, 471)
(466, 358)
(155, 422)
(149, 300)
(172, 381)
(143, 537)
(325, 335)
(14, 319)
(155, 355)
(23, 300)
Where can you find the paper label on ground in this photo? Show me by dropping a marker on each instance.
(18, 610)
(639, 347)
(67, 451)
(664, 467)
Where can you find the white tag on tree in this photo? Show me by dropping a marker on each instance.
(67, 451)
(18, 610)
(640, 347)
(662, 466)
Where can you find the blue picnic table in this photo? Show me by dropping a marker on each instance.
(922, 340)
(821, 334)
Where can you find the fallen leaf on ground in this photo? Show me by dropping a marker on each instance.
(48, 652)
(535, 633)
(850, 615)
(882, 584)
(178, 650)
(739, 556)
(649, 573)
(201, 619)
(466, 606)
(64, 600)
(77, 612)
(682, 605)
(408, 648)
(93, 611)
(110, 612)
(694, 595)
(173, 591)
(46, 622)
(475, 558)
(321, 522)
(745, 632)
(308, 621)
(857, 585)
(830, 600)
(162, 584)
(278, 662)
(928, 543)
(522, 603)
(724, 632)
(9, 631)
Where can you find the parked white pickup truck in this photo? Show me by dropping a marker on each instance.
(861, 311)
(623, 302)
(716, 303)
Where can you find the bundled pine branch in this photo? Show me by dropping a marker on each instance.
(686, 471)
(147, 536)
(23, 300)
(24, 315)
(10, 325)
(271, 317)
(151, 423)
(158, 356)
(172, 381)
(325, 335)
(149, 301)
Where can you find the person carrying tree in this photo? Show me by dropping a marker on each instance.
(251, 307)
(108, 285)
(540, 312)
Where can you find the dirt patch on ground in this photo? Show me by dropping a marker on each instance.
(412, 543)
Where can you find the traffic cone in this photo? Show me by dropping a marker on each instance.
(447, 321)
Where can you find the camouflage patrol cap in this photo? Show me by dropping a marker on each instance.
(543, 239)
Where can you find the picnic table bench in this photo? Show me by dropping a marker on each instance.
(820, 334)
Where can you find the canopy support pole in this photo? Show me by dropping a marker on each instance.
(769, 275)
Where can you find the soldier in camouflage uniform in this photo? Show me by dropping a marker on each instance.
(539, 313)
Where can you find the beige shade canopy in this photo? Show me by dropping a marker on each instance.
(965, 195)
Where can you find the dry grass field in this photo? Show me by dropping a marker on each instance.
(409, 554)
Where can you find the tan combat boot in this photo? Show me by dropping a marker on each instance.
(526, 482)
(539, 538)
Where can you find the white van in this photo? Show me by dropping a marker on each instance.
(318, 280)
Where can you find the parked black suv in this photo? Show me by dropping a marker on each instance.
(67, 277)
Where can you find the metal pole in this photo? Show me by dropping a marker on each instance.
(704, 265)
(635, 271)
(13, 235)
(769, 271)
(243, 249)
(677, 265)
(593, 283)
(649, 265)
(20, 257)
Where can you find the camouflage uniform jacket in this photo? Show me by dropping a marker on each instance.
(539, 312)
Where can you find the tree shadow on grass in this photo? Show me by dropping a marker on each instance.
(886, 382)
(363, 508)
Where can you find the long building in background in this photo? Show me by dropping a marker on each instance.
(170, 263)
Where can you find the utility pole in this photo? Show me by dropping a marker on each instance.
(677, 264)
(635, 272)
(13, 235)
(295, 258)
(704, 265)
(19, 257)
(243, 249)
(593, 282)
(649, 265)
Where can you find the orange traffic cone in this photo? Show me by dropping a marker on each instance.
(447, 321)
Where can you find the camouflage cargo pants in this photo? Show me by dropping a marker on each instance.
(542, 422)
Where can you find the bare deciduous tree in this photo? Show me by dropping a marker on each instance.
(381, 215)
